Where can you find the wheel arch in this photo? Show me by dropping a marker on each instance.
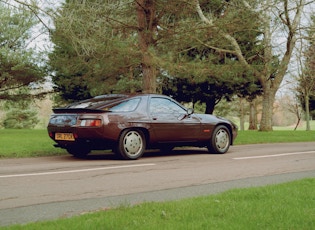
(130, 146)
(144, 130)
(229, 127)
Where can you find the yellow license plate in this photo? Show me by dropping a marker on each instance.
(64, 137)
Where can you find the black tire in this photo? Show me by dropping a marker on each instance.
(78, 151)
(220, 141)
(131, 144)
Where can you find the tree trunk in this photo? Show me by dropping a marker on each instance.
(147, 27)
(242, 115)
(210, 104)
(131, 79)
(307, 110)
(252, 116)
(297, 123)
(267, 109)
(272, 79)
(149, 74)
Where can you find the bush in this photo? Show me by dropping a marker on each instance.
(20, 119)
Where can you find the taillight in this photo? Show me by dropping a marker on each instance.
(90, 122)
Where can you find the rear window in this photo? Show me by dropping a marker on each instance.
(124, 106)
(96, 102)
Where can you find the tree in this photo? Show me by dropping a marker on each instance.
(20, 114)
(147, 21)
(161, 30)
(288, 15)
(19, 67)
(212, 73)
(307, 76)
(99, 45)
(85, 38)
(91, 51)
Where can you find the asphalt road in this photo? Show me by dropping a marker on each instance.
(45, 188)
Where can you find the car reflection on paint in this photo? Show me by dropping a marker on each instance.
(130, 124)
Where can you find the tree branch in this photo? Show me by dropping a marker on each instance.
(237, 50)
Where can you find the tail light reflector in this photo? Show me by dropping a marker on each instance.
(90, 122)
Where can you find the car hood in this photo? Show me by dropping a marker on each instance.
(208, 118)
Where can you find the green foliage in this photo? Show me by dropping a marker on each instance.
(202, 69)
(226, 109)
(20, 113)
(94, 49)
(18, 67)
(20, 119)
(129, 83)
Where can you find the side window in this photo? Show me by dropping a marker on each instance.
(125, 106)
(163, 105)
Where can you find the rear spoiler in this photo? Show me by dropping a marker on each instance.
(78, 110)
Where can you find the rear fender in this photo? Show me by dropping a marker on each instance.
(143, 128)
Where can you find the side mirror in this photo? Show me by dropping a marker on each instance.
(183, 116)
(190, 111)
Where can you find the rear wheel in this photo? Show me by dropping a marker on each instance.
(220, 140)
(78, 151)
(131, 144)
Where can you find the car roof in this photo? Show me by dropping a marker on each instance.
(97, 101)
(106, 99)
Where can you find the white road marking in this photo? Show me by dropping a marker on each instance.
(275, 155)
(75, 171)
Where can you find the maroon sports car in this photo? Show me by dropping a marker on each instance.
(129, 124)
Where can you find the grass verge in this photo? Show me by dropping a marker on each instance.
(277, 136)
(284, 206)
(33, 143)
(26, 143)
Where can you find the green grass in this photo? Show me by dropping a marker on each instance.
(276, 136)
(284, 206)
(33, 143)
(26, 143)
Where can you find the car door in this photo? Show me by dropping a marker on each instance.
(170, 122)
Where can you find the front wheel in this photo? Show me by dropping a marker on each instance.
(131, 144)
(220, 140)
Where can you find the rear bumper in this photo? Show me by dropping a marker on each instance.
(92, 138)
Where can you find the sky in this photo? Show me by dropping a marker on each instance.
(41, 41)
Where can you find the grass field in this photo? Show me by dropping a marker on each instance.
(26, 143)
(277, 136)
(284, 206)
